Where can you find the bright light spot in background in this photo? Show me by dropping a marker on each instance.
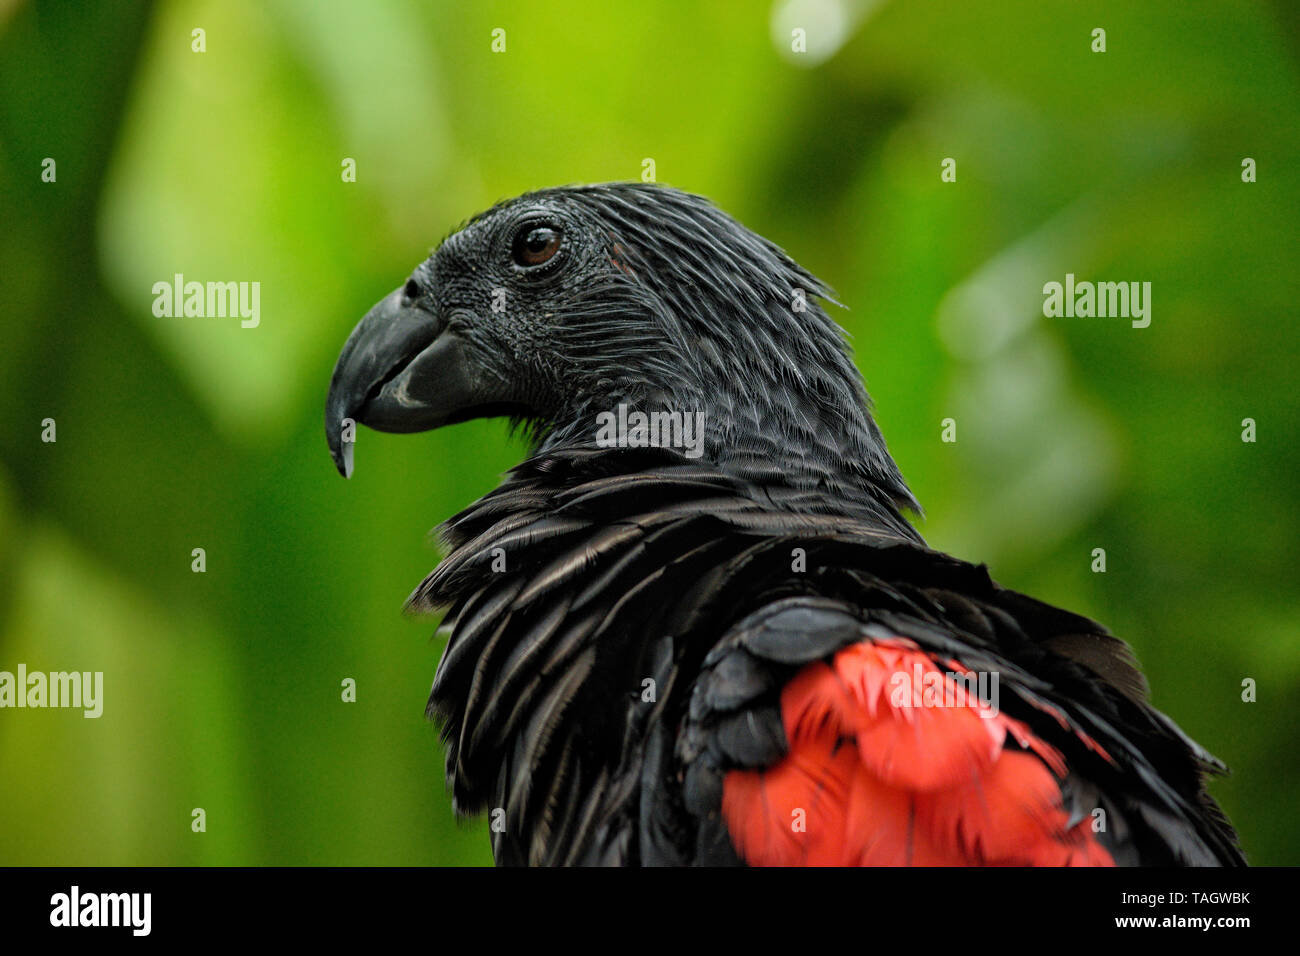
(1056, 458)
(826, 25)
(1003, 299)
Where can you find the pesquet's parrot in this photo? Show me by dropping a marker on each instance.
(694, 626)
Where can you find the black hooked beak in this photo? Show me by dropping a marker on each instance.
(400, 371)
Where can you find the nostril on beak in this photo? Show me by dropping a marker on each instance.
(410, 292)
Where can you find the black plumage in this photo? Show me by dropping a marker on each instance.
(623, 620)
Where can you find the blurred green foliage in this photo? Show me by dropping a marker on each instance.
(222, 689)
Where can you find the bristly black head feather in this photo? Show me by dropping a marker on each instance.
(655, 299)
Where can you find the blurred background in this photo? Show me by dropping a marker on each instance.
(222, 688)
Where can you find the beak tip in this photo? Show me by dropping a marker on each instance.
(340, 452)
(343, 459)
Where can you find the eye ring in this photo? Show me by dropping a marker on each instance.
(535, 244)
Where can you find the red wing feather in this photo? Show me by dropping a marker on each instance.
(879, 774)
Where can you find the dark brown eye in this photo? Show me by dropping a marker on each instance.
(536, 244)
